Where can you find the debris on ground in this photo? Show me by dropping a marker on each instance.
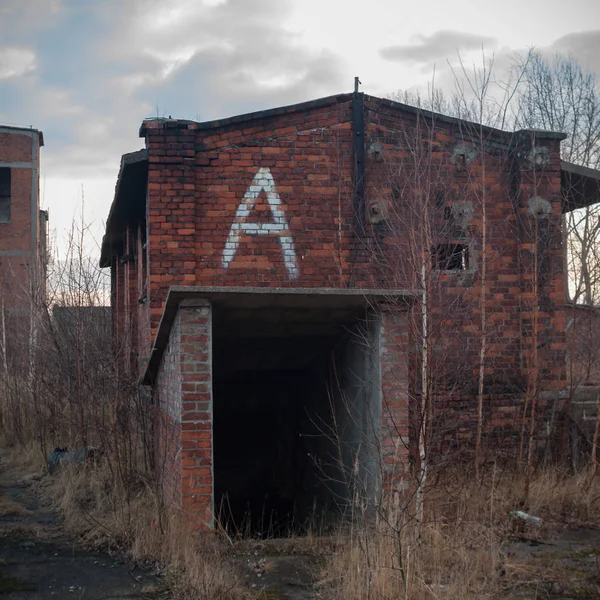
(519, 514)
(62, 456)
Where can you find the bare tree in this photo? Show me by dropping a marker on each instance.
(559, 95)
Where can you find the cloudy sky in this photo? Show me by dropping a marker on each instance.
(87, 72)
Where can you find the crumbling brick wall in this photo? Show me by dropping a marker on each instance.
(272, 200)
(22, 236)
(184, 421)
(432, 183)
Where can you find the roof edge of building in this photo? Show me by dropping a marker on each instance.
(169, 123)
(128, 159)
(22, 130)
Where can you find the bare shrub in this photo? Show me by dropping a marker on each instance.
(63, 388)
(459, 550)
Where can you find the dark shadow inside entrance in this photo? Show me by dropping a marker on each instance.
(281, 460)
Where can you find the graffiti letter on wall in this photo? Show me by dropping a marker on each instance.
(263, 180)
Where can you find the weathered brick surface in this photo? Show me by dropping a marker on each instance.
(395, 396)
(184, 401)
(523, 280)
(15, 146)
(198, 179)
(19, 249)
(269, 201)
(168, 419)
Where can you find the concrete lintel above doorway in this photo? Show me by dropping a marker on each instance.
(261, 299)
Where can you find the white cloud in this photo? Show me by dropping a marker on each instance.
(439, 45)
(88, 72)
(16, 62)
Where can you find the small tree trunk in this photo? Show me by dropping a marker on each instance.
(3, 335)
(423, 414)
(483, 340)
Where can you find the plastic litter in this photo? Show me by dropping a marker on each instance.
(62, 456)
(519, 514)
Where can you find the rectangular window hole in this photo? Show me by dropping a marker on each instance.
(5, 184)
(440, 198)
(451, 257)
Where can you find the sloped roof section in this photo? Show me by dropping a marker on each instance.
(580, 186)
(129, 201)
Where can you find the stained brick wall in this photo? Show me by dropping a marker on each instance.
(270, 201)
(395, 395)
(201, 210)
(198, 179)
(432, 180)
(184, 401)
(20, 236)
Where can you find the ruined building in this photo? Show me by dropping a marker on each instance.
(270, 275)
(23, 230)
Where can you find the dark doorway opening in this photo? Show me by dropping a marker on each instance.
(281, 460)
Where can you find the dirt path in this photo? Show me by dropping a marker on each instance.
(562, 565)
(39, 560)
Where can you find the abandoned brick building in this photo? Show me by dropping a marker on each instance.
(23, 226)
(270, 273)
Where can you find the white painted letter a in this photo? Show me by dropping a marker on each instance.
(263, 180)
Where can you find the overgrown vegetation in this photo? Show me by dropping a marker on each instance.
(60, 386)
(461, 550)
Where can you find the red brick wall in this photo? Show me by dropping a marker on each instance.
(17, 249)
(21, 241)
(198, 179)
(269, 202)
(414, 185)
(184, 401)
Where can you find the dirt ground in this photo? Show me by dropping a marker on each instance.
(39, 560)
(561, 564)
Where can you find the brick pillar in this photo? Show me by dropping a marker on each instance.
(197, 477)
(540, 219)
(393, 356)
(119, 310)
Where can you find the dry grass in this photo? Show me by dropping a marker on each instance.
(25, 461)
(9, 507)
(458, 551)
(438, 560)
(112, 516)
(115, 504)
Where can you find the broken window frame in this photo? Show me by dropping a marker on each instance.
(454, 258)
(451, 250)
